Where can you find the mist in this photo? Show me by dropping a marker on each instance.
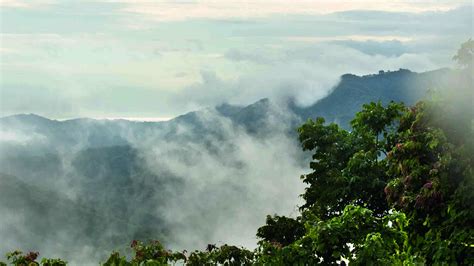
(185, 183)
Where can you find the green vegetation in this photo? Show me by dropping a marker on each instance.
(18, 258)
(398, 189)
(465, 54)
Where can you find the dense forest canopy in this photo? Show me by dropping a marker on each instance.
(396, 188)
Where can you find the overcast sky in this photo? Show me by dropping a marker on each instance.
(159, 59)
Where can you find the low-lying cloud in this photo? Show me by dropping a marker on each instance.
(185, 183)
(305, 74)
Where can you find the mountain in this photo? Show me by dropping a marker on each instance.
(353, 91)
(205, 176)
(345, 99)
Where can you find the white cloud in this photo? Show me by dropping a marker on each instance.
(227, 187)
(244, 9)
(25, 4)
(14, 3)
(306, 74)
(17, 137)
(137, 119)
(174, 67)
(318, 39)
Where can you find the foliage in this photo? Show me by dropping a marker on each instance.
(17, 258)
(346, 165)
(152, 253)
(52, 262)
(465, 54)
(433, 180)
(423, 165)
(281, 230)
(357, 236)
(224, 255)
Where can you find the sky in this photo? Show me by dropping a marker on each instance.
(154, 60)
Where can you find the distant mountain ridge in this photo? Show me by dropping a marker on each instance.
(342, 102)
(353, 91)
(339, 106)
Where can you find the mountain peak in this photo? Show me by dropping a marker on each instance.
(29, 118)
(381, 73)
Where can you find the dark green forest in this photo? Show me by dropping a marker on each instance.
(395, 188)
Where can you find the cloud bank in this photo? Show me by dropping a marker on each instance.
(118, 63)
(188, 182)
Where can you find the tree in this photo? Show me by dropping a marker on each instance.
(151, 253)
(398, 188)
(347, 166)
(281, 230)
(154, 253)
(465, 54)
(17, 258)
(432, 181)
